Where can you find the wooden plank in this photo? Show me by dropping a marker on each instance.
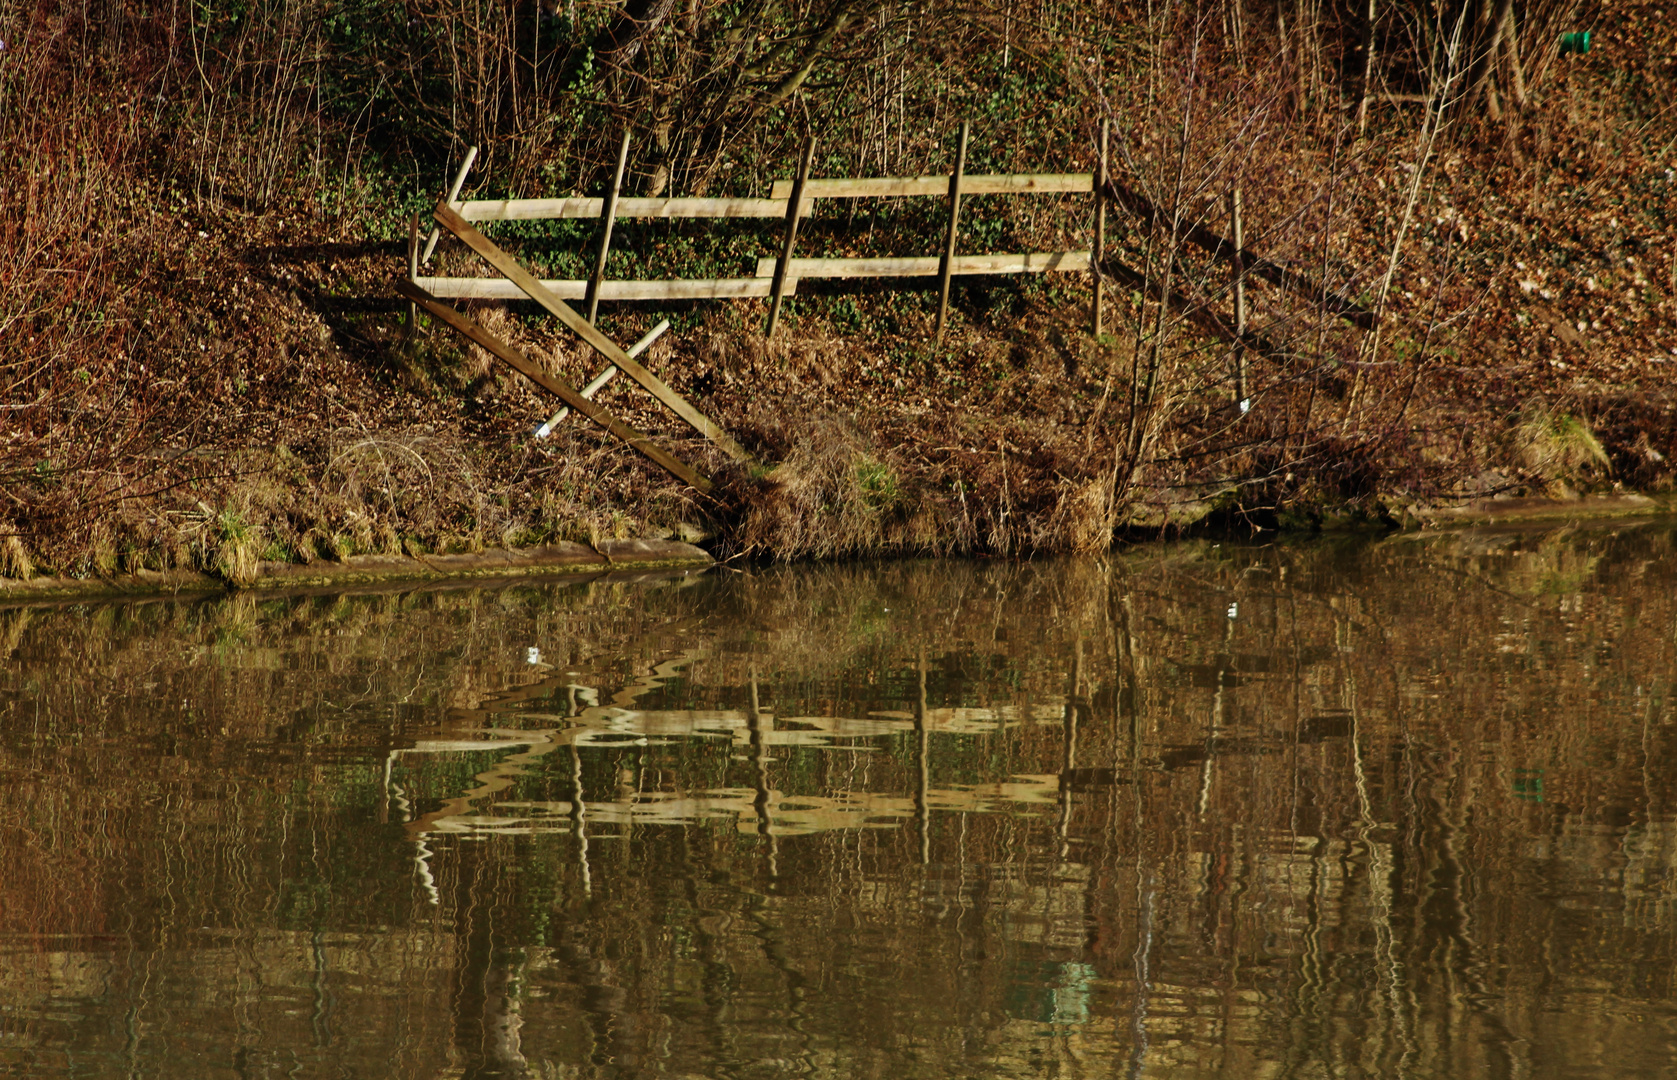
(554, 385)
(775, 206)
(494, 288)
(894, 186)
(701, 208)
(521, 277)
(1040, 262)
(947, 263)
(608, 216)
(794, 206)
(529, 209)
(579, 207)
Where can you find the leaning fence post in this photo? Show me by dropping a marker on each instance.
(794, 210)
(413, 273)
(1098, 251)
(608, 217)
(949, 241)
(453, 193)
(1237, 266)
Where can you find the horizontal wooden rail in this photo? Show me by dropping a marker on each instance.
(485, 288)
(578, 207)
(1041, 262)
(892, 186)
(775, 205)
(488, 288)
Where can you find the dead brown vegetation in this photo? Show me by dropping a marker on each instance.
(197, 210)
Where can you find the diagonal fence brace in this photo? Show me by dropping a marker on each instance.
(1203, 318)
(554, 385)
(535, 290)
(1220, 248)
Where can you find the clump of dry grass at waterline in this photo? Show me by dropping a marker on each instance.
(842, 492)
(836, 495)
(14, 557)
(1557, 448)
(396, 492)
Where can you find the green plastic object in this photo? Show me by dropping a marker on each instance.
(1575, 43)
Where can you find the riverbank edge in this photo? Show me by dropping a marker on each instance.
(1483, 512)
(568, 558)
(557, 560)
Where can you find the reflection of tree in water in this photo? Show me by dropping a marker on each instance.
(1225, 810)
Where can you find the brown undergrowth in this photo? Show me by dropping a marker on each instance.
(201, 363)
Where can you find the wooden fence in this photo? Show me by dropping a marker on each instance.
(775, 276)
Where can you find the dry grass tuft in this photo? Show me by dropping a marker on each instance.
(835, 495)
(1088, 518)
(235, 549)
(14, 559)
(1557, 446)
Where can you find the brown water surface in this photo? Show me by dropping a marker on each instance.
(1389, 809)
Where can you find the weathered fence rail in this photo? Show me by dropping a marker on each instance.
(650, 209)
(1040, 262)
(905, 186)
(574, 289)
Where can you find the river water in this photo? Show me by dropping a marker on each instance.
(1367, 808)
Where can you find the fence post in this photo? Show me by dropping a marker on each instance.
(1098, 251)
(608, 217)
(413, 274)
(794, 209)
(954, 220)
(1237, 266)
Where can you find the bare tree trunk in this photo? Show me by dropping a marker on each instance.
(1484, 84)
(1516, 71)
(1237, 31)
(1238, 268)
(1368, 65)
(1430, 127)
(113, 14)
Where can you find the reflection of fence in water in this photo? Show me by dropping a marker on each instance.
(797, 815)
(610, 726)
